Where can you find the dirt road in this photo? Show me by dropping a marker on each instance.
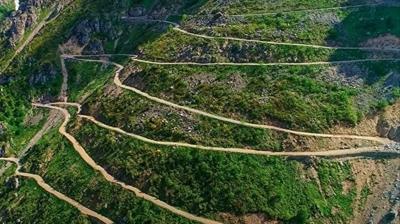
(39, 180)
(178, 29)
(118, 82)
(330, 153)
(111, 179)
(50, 123)
(305, 10)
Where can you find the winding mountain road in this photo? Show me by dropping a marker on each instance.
(118, 82)
(265, 64)
(134, 57)
(111, 179)
(330, 153)
(176, 27)
(39, 180)
(305, 10)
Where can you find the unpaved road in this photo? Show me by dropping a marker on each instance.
(111, 179)
(265, 64)
(134, 58)
(118, 82)
(354, 152)
(177, 28)
(50, 123)
(330, 153)
(305, 10)
(39, 180)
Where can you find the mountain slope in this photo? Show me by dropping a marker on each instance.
(165, 97)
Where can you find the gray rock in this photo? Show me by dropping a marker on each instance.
(94, 47)
(137, 11)
(4, 79)
(43, 76)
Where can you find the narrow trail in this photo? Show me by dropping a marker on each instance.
(305, 10)
(118, 82)
(135, 58)
(177, 28)
(50, 123)
(111, 179)
(330, 153)
(39, 180)
(265, 64)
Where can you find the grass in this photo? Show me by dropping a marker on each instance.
(29, 202)
(365, 192)
(201, 182)
(19, 135)
(208, 183)
(140, 116)
(289, 95)
(61, 167)
(22, 137)
(255, 6)
(175, 46)
(6, 8)
(351, 27)
(86, 77)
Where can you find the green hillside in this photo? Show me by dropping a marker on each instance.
(199, 111)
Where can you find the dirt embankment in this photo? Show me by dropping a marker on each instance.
(384, 124)
(375, 183)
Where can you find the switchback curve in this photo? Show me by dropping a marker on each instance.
(176, 27)
(39, 180)
(118, 82)
(82, 152)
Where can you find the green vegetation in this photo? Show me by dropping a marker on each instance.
(365, 192)
(351, 27)
(140, 116)
(207, 183)
(34, 122)
(86, 77)
(29, 202)
(20, 90)
(8, 54)
(312, 98)
(363, 25)
(15, 137)
(61, 167)
(40, 61)
(254, 6)
(6, 8)
(176, 46)
(292, 95)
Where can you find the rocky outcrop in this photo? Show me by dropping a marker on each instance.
(389, 129)
(43, 76)
(82, 35)
(94, 47)
(389, 123)
(159, 9)
(16, 25)
(137, 11)
(5, 79)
